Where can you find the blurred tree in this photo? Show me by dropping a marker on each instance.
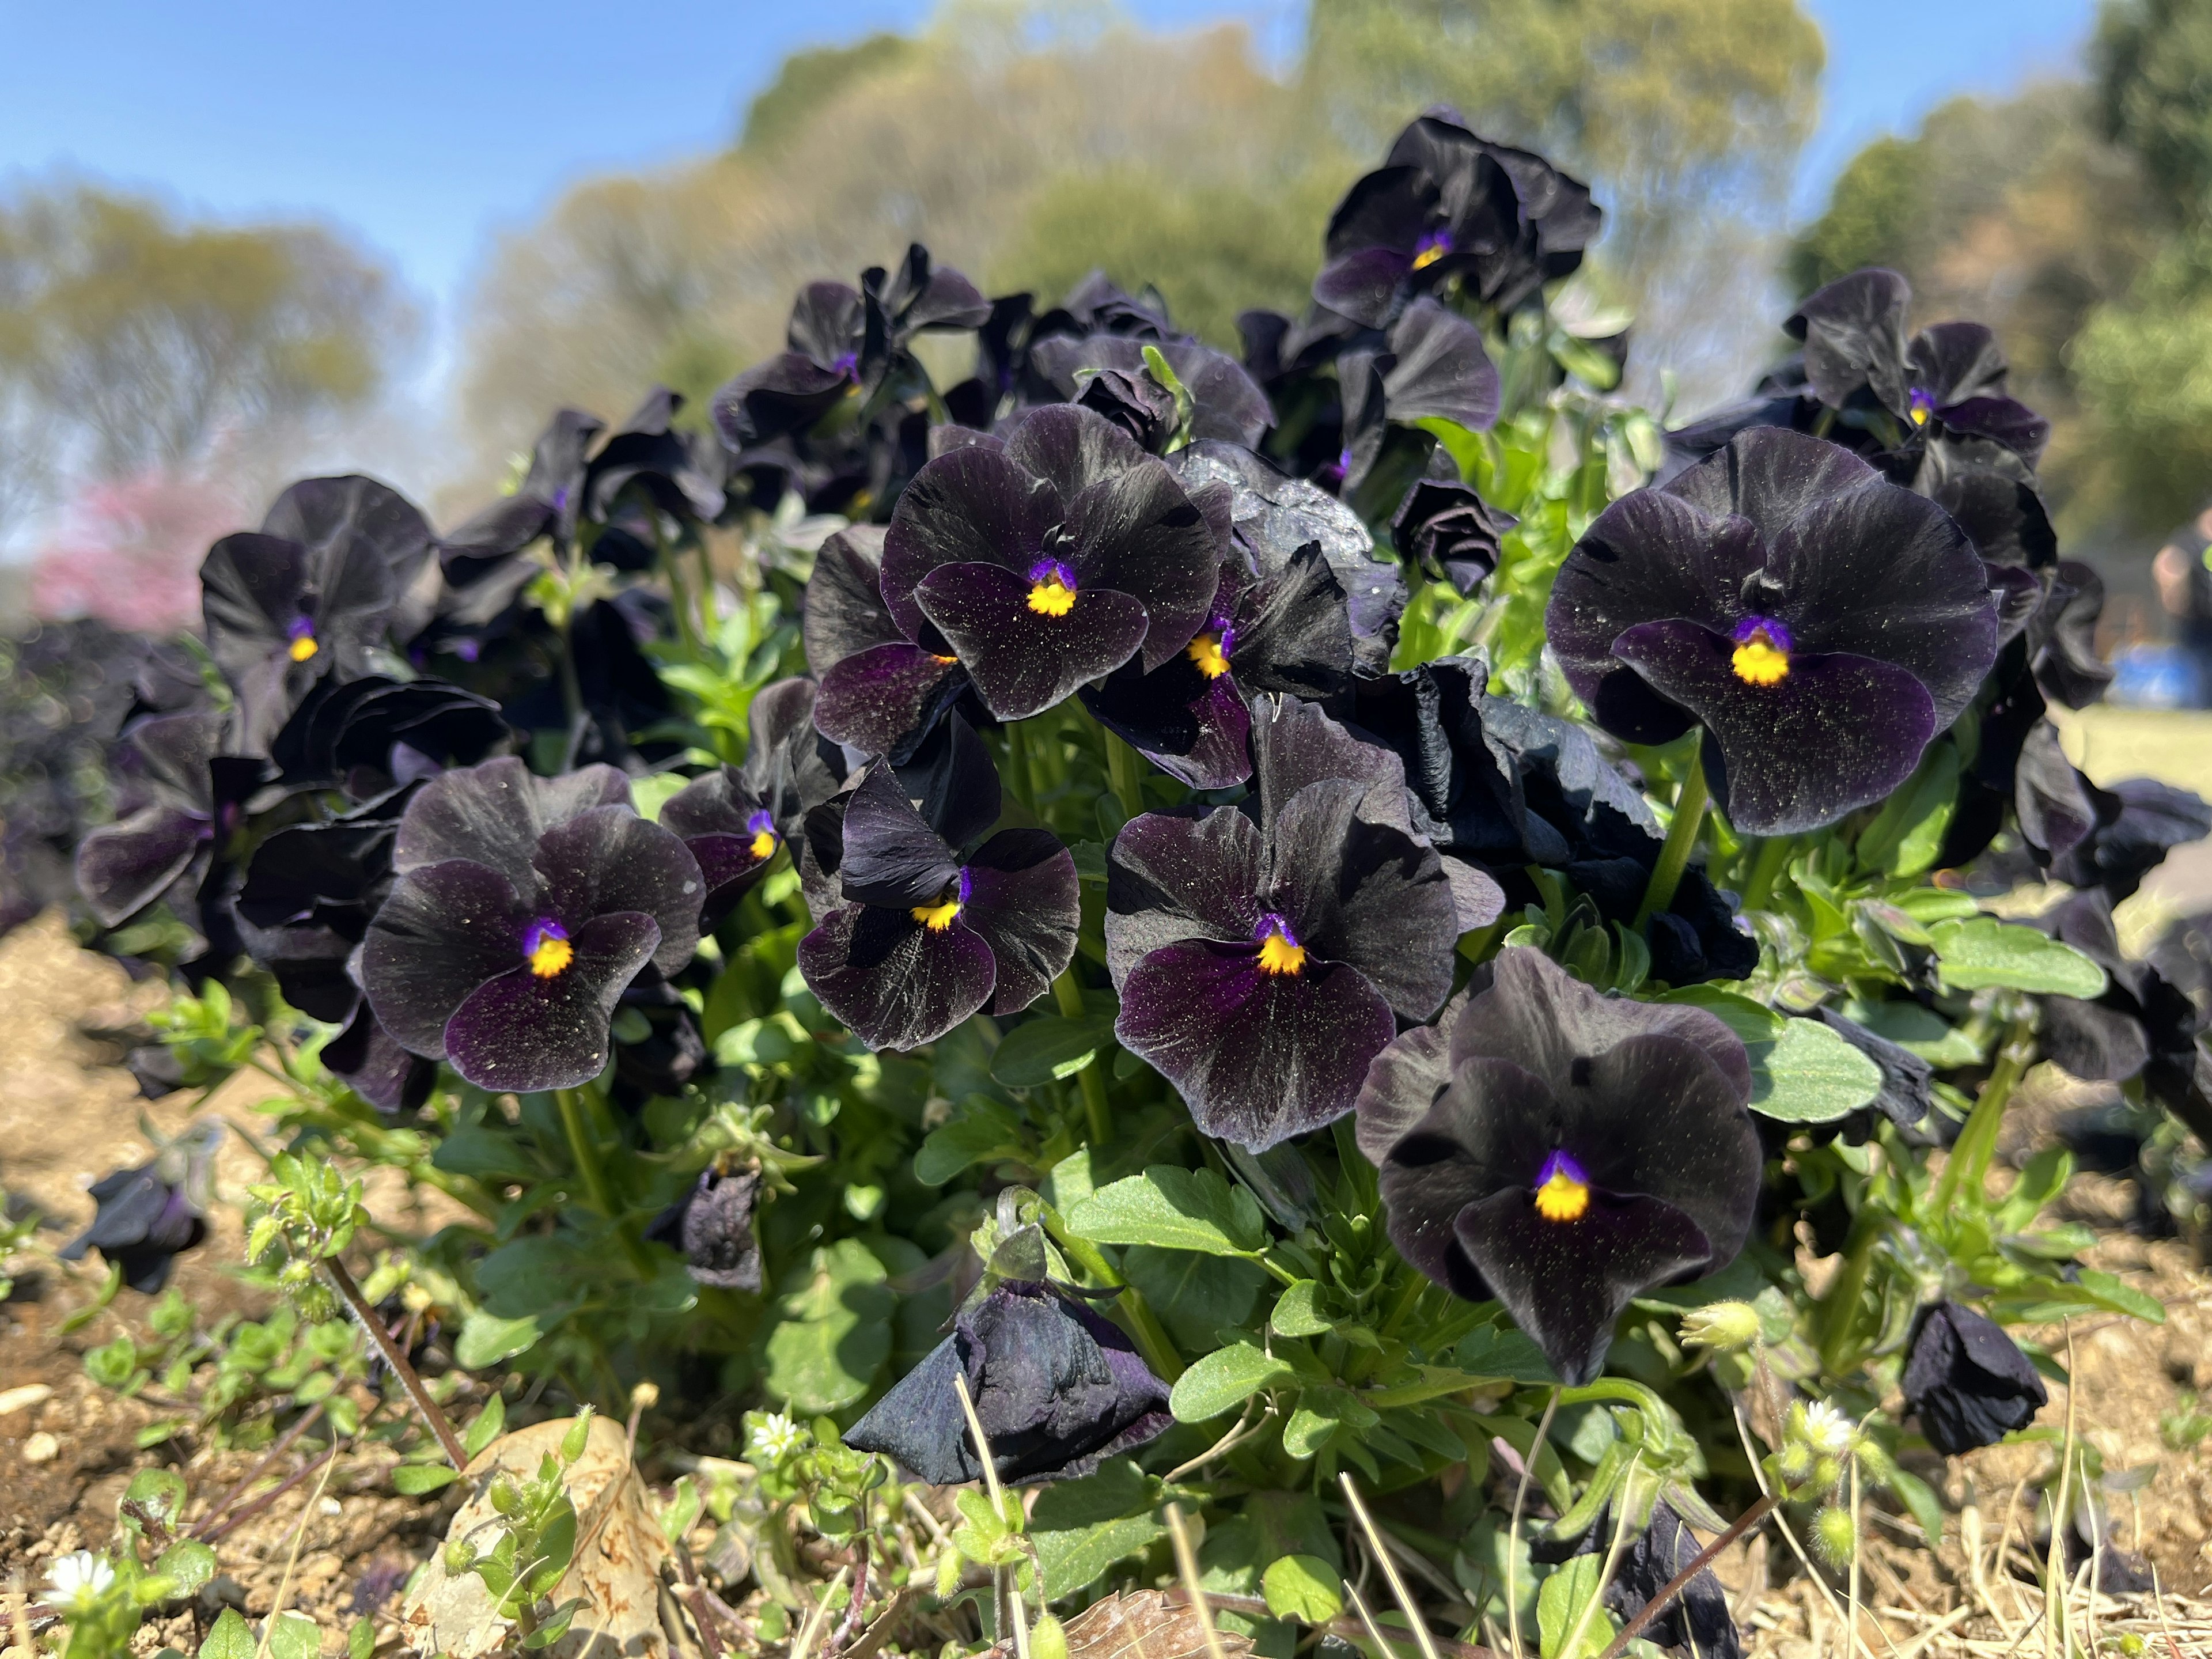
(2152, 62)
(130, 343)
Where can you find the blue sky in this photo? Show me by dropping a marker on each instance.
(425, 126)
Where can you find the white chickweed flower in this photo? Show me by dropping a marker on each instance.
(80, 1578)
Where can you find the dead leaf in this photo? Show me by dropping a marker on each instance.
(1144, 1624)
(619, 1556)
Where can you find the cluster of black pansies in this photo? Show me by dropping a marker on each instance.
(1820, 623)
(924, 916)
(523, 908)
(1966, 1381)
(1563, 1151)
(1265, 954)
(144, 1217)
(1057, 1389)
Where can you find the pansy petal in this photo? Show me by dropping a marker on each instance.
(1442, 372)
(1138, 533)
(919, 1424)
(526, 1031)
(1295, 744)
(1771, 476)
(493, 814)
(249, 592)
(844, 612)
(1567, 1283)
(1361, 285)
(896, 983)
(1854, 334)
(1258, 1057)
(892, 856)
(121, 868)
(444, 931)
(376, 1067)
(1024, 662)
(970, 504)
(1194, 729)
(1836, 733)
(877, 701)
(1071, 449)
(609, 859)
(1486, 1130)
(1403, 1083)
(1293, 631)
(1174, 876)
(1024, 902)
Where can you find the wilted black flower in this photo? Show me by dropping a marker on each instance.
(923, 932)
(1698, 1618)
(1264, 958)
(1058, 1389)
(1822, 624)
(523, 908)
(181, 797)
(1108, 374)
(844, 343)
(309, 593)
(370, 735)
(1430, 366)
(1949, 378)
(1907, 1080)
(712, 1225)
(1448, 204)
(148, 1214)
(1564, 1151)
(1288, 631)
(1048, 560)
(2138, 821)
(1447, 531)
(1967, 1382)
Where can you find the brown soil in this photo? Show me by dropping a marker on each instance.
(69, 1112)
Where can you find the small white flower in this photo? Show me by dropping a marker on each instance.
(776, 1438)
(1827, 1430)
(80, 1578)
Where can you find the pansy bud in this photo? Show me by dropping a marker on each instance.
(1724, 1327)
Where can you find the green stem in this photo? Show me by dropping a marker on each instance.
(1773, 858)
(1126, 772)
(1021, 765)
(581, 1149)
(1152, 1341)
(679, 591)
(1841, 1305)
(1069, 995)
(1968, 1165)
(1682, 837)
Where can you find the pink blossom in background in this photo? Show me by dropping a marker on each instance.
(130, 553)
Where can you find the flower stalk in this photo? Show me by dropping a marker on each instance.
(1682, 837)
(432, 1413)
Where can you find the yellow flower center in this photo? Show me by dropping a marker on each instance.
(551, 955)
(1278, 955)
(1757, 662)
(1919, 416)
(936, 917)
(304, 648)
(1206, 651)
(1562, 1197)
(1052, 598)
(763, 845)
(1428, 256)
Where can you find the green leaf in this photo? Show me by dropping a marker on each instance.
(1194, 1295)
(1500, 1351)
(188, 1563)
(831, 1331)
(90, 1311)
(1559, 1606)
(1225, 1379)
(1984, 951)
(984, 1128)
(1173, 1209)
(413, 1480)
(1303, 1588)
(160, 1492)
(231, 1639)
(1082, 1528)
(1907, 834)
(295, 1636)
(1752, 1022)
(1810, 1076)
(1920, 1499)
(1295, 1313)
(485, 1430)
(1918, 1030)
(486, 1340)
(1047, 1048)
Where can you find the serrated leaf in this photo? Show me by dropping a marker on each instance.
(1047, 1049)
(413, 1480)
(1974, 955)
(1173, 1209)
(1303, 1588)
(1810, 1075)
(1225, 1379)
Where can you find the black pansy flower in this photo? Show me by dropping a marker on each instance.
(1430, 366)
(1967, 1382)
(2142, 1026)
(1697, 1620)
(182, 797)
(1263, 958)
(524, 906)
(1446, 204)
(2062, 637)
(310, 594)
(1048, 560)
(1947, 378)
(1108, 374)
(921, 933)
(712, 1226)
(2138, 821)
(1288, 632)
(1448, 532)
(735, 817)
(1272, 518)
(1564, 1151)
(881, 692)
(1821, 623)
(1907, 1080)
(146, 1216)
(375, 734)
(844, 343)
(1057, 1389)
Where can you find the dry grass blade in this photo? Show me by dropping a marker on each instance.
(1187, 1566)
(1147, 1624)
(1406, 1605)
(1513, 1532)
(817, 1616)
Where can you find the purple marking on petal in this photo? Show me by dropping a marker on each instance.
(541, 932)
(1269, 922)
(761, 823)
(1052, 570)
(847, 363)
(1778, 633)
(467, 648)
(301, 628)
(1432, 248)
(1562, 1163)
(561, 499)
(1921, 404)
